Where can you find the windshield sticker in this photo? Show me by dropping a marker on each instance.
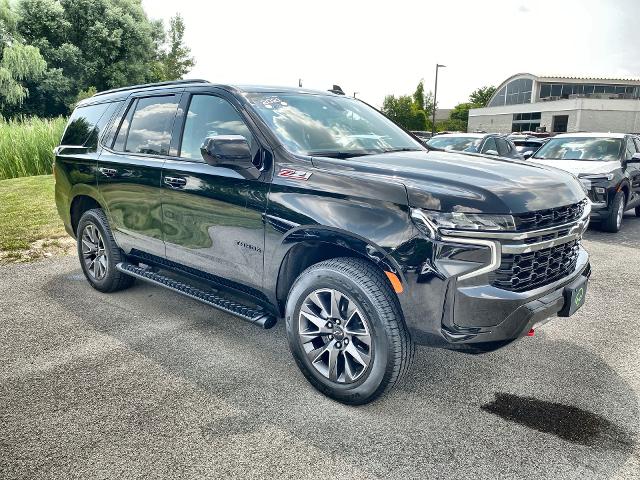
(273, 102)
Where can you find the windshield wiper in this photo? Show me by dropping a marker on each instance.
(403, 149)
(336, 154)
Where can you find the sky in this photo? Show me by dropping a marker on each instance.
(377, 48)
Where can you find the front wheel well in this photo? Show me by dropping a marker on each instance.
(301, 257)
(79, 205)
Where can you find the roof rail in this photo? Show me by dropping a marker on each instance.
(146, 85)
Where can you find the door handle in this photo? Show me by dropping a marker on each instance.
(108, 172)
(175, 182)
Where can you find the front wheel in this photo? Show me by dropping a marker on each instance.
(637, 211)
(346, 331)
(613, 222)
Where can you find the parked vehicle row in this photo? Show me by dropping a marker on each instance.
(487, 144)
(280, 203)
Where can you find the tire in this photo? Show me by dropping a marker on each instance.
(94, 232)
(614, 221)
(365, 297)
(637, 211)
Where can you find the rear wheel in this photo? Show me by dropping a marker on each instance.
(346, 331)
(99, 253)
(637, 211)
(614, 221)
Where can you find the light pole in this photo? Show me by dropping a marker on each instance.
(435, 98)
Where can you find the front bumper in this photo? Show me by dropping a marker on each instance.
(446, 306)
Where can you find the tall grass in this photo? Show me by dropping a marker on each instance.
(26, 146)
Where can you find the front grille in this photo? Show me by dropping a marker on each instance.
(550, 217)
(526, 271)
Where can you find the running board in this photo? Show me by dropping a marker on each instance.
(246, 313)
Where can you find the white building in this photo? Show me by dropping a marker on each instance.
(525, 102)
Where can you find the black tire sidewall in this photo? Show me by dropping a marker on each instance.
(373, 380)
(107, 283)
(610, 224)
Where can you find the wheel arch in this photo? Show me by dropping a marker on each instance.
(80, 204)
(307, 246)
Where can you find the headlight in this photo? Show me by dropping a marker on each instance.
(596, 176)
(429, 221)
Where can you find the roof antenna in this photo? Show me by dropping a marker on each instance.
(337, 90)
(300, 83)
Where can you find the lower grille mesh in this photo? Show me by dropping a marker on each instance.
(526, 271)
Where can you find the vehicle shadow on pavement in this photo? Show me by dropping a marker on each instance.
(438, 422)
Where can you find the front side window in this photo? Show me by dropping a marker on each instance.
(503, 147)
(209, 116)
(147, 126)
(325, 125)
(459, 144)
(581, 148)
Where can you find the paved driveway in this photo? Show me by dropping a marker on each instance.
(145, 383)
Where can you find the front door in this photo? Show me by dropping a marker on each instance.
(130, 171)
(213, 215)
(633, 169)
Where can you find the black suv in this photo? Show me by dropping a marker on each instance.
(272, 203)
(608, 164)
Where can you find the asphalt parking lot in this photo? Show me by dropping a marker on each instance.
(147, 384)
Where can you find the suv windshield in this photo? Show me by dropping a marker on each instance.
(461, 144)
(331, 126)
(581, 148)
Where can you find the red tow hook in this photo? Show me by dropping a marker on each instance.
(531, 333)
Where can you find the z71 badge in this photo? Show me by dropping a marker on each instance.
(294, 174)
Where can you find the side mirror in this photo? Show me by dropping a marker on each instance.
(634, 159)
(491, 152)
(229, 151)
(528, 154)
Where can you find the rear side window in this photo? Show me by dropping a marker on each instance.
(147, 126)
(84, 125)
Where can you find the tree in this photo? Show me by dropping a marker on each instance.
(404, 112)
(423, 101)
(177, 61)
(480, 96)
(19, 63)
(88, 45)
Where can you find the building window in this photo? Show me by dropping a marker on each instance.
(517, 91)
(566, 90)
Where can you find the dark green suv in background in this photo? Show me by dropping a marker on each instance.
(272, 203)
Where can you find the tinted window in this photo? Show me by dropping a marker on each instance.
(84, 123)
(490, 144)
(503, 147)
(121, 138)
(149, 128)
(209, 116)
(630, 150)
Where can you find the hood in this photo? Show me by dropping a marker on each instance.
(577, 167)
(463, 182)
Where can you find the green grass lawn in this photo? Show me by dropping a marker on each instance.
(28, 216)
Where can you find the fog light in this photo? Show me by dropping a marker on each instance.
(600, 190)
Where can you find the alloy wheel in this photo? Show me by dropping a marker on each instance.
(335, 335)
(93, 252)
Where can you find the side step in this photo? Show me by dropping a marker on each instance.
(246, 313)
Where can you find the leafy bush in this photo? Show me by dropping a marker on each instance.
(26, 146)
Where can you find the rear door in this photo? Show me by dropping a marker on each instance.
(213, 215)
(130, 171)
